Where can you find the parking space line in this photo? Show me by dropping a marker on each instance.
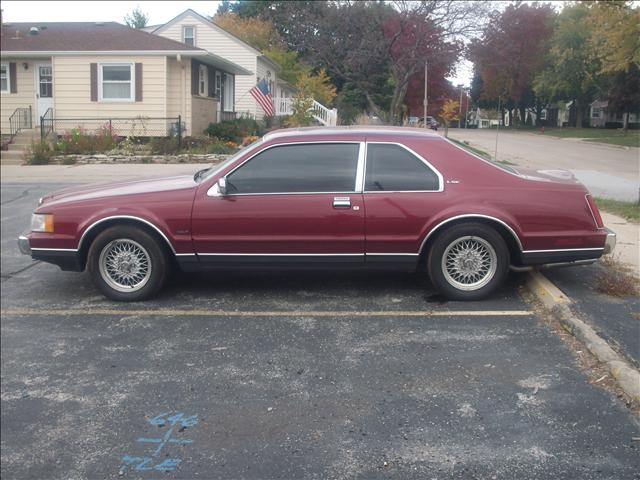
(164, 312)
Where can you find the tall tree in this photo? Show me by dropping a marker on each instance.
(572, 72)
(137, 18)
(510, 53)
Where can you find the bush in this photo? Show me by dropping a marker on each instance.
(39, 154)
(164, 146)
(222, 148)
(79, 141)
(234, 130)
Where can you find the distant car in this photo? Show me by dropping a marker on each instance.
(432, 123)
(325, 197)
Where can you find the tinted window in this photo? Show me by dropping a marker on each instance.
(326, 167)
(393, 168)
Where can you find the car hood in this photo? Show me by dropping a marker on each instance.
(127, 187)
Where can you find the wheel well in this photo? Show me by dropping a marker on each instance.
(101, 227)
(505, 233)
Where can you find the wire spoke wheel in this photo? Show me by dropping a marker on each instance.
(469, 263)
(125, 265)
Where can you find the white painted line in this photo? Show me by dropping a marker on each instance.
(163, 312)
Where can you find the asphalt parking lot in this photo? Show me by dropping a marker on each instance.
(290, 375)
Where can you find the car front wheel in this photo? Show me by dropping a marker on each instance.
(468, 261)
(127, 264)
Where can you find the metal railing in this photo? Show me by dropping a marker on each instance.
(46, 124)
(227, 116)
(20, 119)
(139, 126)
(326, 116)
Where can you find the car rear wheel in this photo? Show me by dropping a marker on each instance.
(468, 261)
(127, 264)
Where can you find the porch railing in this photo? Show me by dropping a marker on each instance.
(326, 116)
(46, 124)
(20, 119)
(227, 116)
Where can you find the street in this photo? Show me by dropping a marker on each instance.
(290, 375)
(607, 171)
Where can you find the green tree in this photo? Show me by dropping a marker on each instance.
(450, 111)
(137, 18)
(572, 73)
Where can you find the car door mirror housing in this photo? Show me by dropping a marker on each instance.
(222, 185)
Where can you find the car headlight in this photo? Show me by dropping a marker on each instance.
(42, 222)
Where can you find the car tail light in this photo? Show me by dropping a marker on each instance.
(594, 211)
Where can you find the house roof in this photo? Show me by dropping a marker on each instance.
(217, 27)
(83, 37)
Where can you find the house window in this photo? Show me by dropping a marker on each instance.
(228, 93)
(202, 81)
(5, 81)
(218, 85)
(595, 113)
(117, 82)
(189, 35)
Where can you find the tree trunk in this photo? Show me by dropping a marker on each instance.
(625, 125)
(578, 114)
(395, 108)
(510, 118)
(375, 108)
(523, 116)
(538, 114)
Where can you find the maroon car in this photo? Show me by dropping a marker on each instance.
(325, 197)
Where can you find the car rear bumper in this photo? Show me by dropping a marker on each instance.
(610, 242)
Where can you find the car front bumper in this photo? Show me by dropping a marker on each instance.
(24, 245)
(610, 242)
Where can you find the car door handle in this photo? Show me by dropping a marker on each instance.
(341, 202)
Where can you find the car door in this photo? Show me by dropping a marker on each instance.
(402, 191)
(288, 203)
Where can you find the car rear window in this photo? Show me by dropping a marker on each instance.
(394, 168)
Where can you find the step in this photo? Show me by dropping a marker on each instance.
(11, 158)
(13, 147)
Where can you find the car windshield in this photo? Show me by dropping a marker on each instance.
(213, 169)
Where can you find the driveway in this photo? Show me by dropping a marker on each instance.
(607, 171)
(290, 375)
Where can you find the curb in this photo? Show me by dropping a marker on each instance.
(556, 302)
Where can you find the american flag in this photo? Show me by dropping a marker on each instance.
(263, 96)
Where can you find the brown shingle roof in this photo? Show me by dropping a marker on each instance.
(83, 36)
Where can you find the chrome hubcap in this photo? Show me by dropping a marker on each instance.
(125, 265)
(469, 263)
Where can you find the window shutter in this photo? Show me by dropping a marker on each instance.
(94, 82)
(138, 82)
(13, 79)
(194, 77)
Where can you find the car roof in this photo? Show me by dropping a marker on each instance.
(351, 131)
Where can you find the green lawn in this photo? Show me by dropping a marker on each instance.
(630, 138)
(628, 210)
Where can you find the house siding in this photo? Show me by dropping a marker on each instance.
(72, 94)
(179, 90)
(25, 96)
(211, 39)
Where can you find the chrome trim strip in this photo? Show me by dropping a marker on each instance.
(185, 254)
(127, 217)
(563, 250)
(419, 157)
(282, 254)
(471, 215)
(591, 210)
(382, 254)
(360, 168)
(213, 190)
(54, 249)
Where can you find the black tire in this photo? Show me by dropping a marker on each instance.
(151, 253)
(477, 234)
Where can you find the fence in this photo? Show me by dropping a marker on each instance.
(115, 126)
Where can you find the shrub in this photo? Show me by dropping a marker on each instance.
(69, 161)
(164, 145)
(79, 141)
(222, 148)
(39, 154)
(234, 130)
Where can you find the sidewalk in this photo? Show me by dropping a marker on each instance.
(627, 249)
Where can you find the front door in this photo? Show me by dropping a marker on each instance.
(44, 88)
(287, 204)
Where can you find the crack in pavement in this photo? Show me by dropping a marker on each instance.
(24, 194)
(12, 274)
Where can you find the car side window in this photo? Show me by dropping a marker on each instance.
(304, 168)
(393, 168)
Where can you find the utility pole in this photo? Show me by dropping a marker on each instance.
(466, 110)
(495, 156)
(425, 102)
(460, 109)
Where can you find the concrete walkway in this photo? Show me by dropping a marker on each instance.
(606, 170)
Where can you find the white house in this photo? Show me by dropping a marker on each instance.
(198, 31)
(600, 115)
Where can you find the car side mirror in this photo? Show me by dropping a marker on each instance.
(222, 185)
